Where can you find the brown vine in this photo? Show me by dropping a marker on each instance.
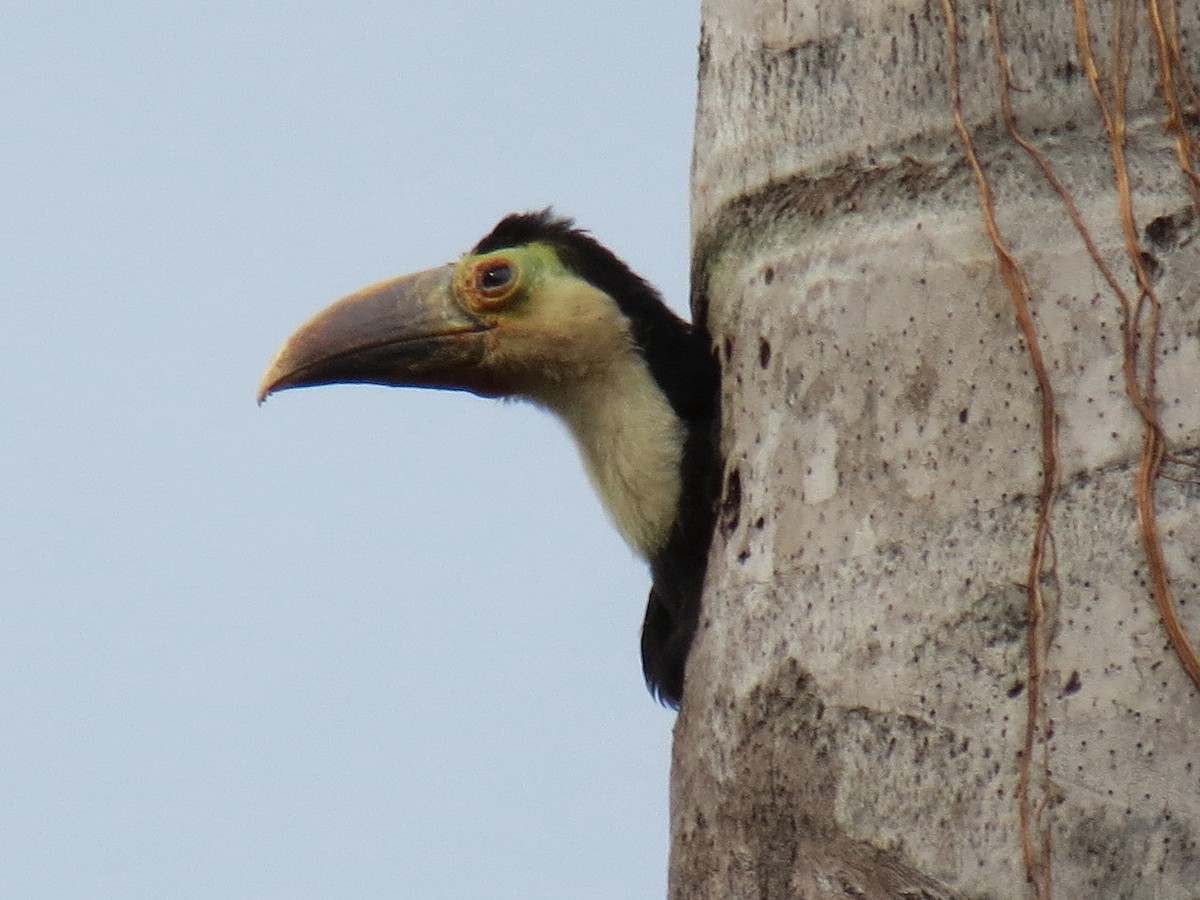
(1142, 387)
(1171, 74)
(1035, 831)
(1140, 327)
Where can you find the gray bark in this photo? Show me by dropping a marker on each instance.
(858, 695)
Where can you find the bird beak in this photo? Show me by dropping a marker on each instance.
(409, 332)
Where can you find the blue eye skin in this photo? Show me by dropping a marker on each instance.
(495, 277)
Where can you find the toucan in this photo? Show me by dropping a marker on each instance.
(540, 311)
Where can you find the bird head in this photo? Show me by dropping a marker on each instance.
(525, 313)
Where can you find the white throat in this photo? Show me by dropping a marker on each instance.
(632, 446)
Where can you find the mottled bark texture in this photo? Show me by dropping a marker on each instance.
(858, 706)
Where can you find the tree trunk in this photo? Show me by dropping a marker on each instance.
(961, 410)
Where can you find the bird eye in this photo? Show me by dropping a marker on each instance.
(495, 277)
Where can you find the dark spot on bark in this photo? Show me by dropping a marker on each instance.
(1074, 683)
(1152, 266)
(1015, 690)
(764, 352)
(920, 388)
(1068, 71)
(1169, 231)
(963, 415)
(731, 502)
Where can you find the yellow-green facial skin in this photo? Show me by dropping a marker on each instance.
(536, 280)
(548, 329)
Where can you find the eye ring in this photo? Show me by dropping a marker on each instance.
(495, 278)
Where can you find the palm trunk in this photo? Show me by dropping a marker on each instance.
(961, 411)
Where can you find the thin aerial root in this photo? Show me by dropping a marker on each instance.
(1140, 319)
(1141, 388)
(1170, 72)
(1035, 831)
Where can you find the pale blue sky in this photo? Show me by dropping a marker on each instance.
(359, 642)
